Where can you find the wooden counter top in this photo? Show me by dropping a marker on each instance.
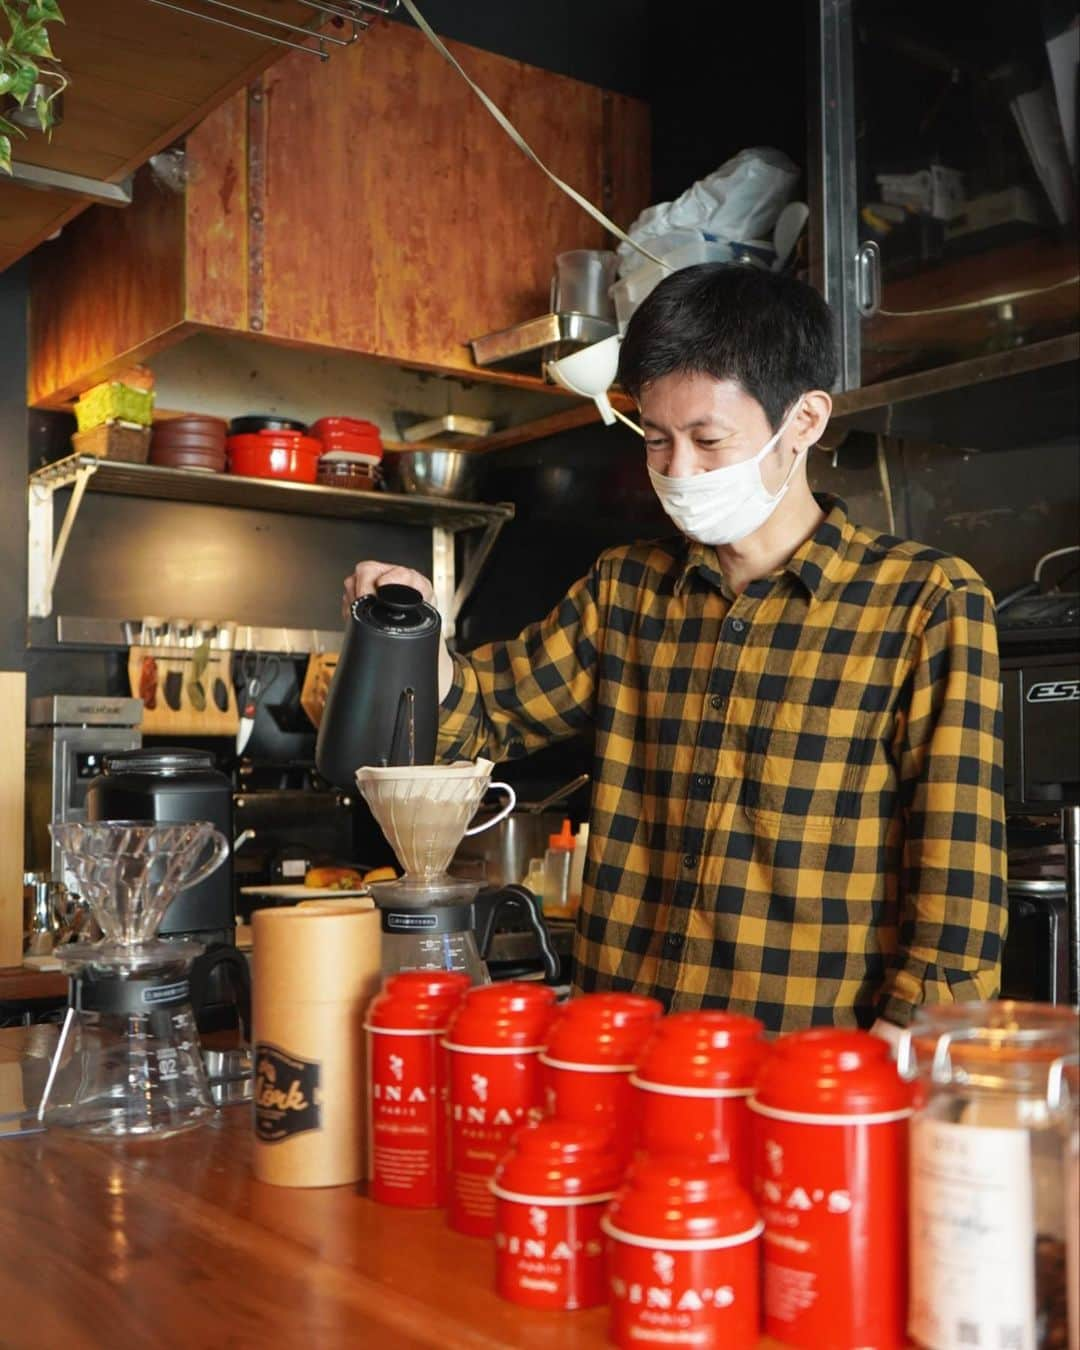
(174, 1244)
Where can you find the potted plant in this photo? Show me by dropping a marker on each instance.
(30, 75)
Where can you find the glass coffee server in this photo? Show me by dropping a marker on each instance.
(128, 1060)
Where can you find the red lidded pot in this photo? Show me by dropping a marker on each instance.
(550, 1192)
(693, 1082)
(830, 1177)
(274, 454)
(683, 1259)
(496, 1086)
(407, 1086)
(591, 1052)
(350, 434)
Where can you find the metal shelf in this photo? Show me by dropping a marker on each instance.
(83, 473)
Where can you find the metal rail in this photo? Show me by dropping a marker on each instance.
(350, 11)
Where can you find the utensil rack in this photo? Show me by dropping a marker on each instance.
(83, 473)
(350, 12)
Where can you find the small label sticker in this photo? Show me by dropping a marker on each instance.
(287, 1097)
(411, 921)
(167, 993)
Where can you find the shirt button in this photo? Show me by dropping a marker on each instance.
(718, 701)
(673, 942)
(691, 860)
(703, 780)
(737, 625)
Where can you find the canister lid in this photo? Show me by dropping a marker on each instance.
(318, 952)
(558, 1158)
(704, 1051)
(830, 1072)
(673, 1200)
(507, 1015)
(1000, 1032)
(418, 1000)
(603, 1029)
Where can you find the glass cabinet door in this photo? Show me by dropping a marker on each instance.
(946, 226)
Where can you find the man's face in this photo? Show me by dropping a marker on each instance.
(693, 423)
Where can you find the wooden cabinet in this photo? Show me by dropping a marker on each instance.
(370, 204)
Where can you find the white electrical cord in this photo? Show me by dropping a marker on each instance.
(1006, 298)
(886, 483)
(1056, 553)
(520, 141)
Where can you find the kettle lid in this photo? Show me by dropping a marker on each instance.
(395, 608)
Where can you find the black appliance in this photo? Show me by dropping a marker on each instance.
(1039, 638)
(383, 702)
(173, 786)
(1035, 967)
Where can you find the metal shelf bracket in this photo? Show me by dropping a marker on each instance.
(45, 556)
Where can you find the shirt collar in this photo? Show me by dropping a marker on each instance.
(814, 564)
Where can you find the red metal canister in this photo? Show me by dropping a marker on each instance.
(684, 1256)
(592, 1050)
(830, 1152)
(550, 1192)
(496, 1086)
(407, 1086)
(693, 1081)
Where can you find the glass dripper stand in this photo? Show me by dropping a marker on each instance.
(128, 1061)
(424, 811)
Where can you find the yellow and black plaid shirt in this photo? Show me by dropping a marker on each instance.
(797, 800)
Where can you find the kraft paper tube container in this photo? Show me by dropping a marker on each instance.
(314, 968)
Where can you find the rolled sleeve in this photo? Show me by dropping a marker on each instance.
(954, 906)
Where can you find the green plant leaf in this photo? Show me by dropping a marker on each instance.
(43, 108)
(25, 79)
(33, 39)
(7, 79)
(10, 129)
(5, 154)
(44, 11)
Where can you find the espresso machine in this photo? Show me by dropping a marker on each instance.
(67, 739)
(1039, 637)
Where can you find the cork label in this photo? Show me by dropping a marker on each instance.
(287, 1097)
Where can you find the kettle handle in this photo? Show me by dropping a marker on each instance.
(499, 815)
(514, 894)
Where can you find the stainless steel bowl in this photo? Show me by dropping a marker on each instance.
(433, 473)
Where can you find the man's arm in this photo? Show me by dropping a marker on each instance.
(509, 698)
(953, 896)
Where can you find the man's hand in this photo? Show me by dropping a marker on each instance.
(367, 575)
(890, 1032)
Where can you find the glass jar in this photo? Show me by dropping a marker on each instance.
(988, 1208)
(1064, 1096)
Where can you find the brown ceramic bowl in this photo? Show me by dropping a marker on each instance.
(168, 457)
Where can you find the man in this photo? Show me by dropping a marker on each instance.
(797, 801)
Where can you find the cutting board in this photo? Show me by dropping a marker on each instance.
(12, 817)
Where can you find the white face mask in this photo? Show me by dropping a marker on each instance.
(724, 505)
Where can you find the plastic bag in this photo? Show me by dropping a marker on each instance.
(738, 201)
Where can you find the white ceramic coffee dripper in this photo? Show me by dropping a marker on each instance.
(424, 810)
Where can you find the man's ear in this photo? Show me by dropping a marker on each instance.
(809, 423)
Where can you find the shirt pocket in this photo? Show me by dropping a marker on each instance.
(806, 766)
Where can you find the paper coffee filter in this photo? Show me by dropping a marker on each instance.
(425, 809)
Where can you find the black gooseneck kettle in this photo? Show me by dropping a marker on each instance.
(382, 707)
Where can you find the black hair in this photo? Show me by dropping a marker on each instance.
(767, 331)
